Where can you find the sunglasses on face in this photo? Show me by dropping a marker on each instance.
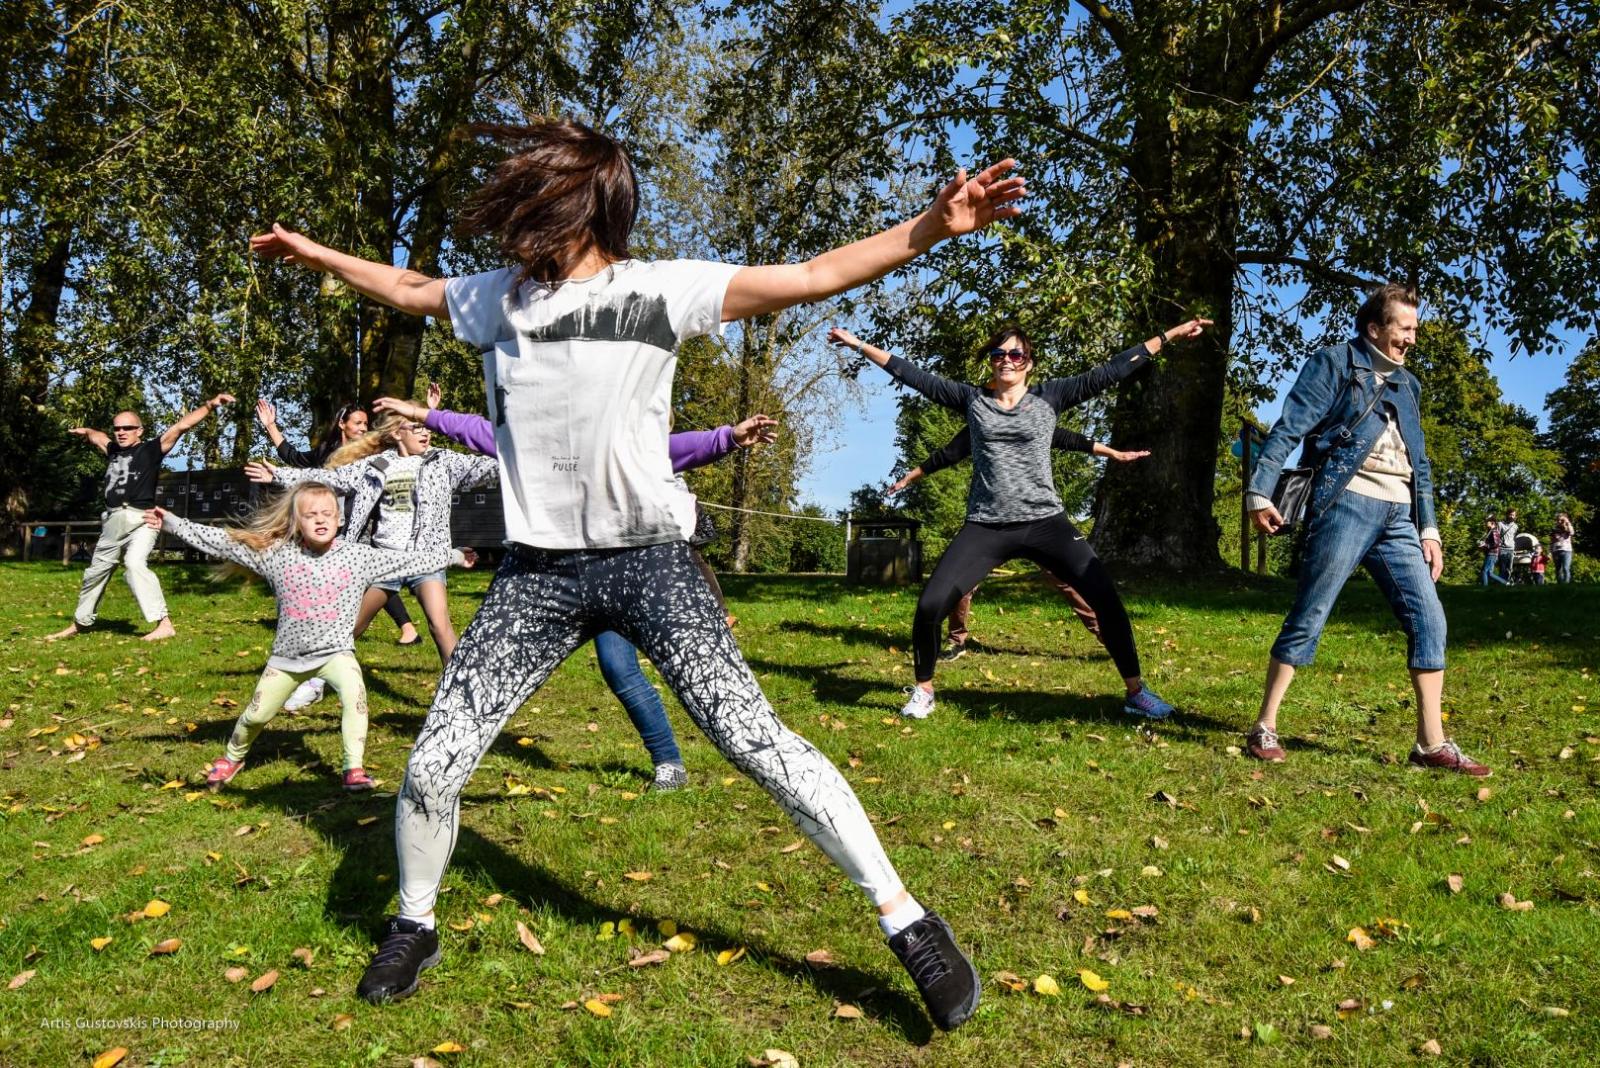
(1002, 355)
(126, 429)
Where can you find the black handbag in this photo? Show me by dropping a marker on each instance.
(1291, 497)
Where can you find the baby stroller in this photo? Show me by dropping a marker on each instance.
(1522, 559)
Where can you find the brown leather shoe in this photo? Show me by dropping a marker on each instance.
(1449, 757)
(1262, 744)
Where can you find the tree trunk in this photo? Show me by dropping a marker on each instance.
(1157, 513)
(739, 492)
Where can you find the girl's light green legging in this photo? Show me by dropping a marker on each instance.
(341, 672)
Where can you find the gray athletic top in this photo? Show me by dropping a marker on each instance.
(1011, 477)
(319, 595)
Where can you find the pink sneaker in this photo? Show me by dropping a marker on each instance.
(356, 780)
(222, 770)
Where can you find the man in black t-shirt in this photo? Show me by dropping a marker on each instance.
(131, 475)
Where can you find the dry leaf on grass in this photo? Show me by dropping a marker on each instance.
(773, 1058)
(156, 909)
(597, 1007)
(1509, 902)
(1359, 938)
(20, 978)
(97, 944)
(264, 984)
(1046, 984)
(639, 876)
(1011, 981)
(728, 956)
(655, 956)
(1454, 882)
(1092, 981)
(847, 1012)
(449, 1047)
(303, 956)
(1321, 1032)
(1430, 1048)
(822, 957)
(233, 975)
(682, 942)
(110, 1058)
(170, 946)
(343, 1021)
(529, 942)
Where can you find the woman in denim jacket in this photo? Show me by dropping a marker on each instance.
(1357, 409)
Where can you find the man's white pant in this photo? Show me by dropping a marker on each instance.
(125, 538)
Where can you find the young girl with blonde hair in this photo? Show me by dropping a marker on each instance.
(319, 579)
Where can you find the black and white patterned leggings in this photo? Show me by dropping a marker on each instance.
(541, 606)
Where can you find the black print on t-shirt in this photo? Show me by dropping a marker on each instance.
(633, 317)
(563, 463)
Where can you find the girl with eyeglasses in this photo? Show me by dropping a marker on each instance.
(1013, 509)
(349, 423)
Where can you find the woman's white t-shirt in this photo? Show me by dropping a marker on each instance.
(579, 385)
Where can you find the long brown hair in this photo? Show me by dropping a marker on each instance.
(371, 443)
(566, 189)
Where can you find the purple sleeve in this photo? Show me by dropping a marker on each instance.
(473, 431)
(696, 448)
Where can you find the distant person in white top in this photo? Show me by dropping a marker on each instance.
(578, 342)
(1561, 547)
(131, 479)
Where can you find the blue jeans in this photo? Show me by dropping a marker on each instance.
(1563, 564)
(619, 664)
(1488, 574)
(1359, 530)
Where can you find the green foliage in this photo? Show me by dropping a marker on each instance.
(1574, 434)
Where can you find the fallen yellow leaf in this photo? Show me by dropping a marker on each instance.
(598, 1007)
(110, 1057)
(682, 942)
(343, 1021)
(100, 943)
(449, 1047)
(94, 839)
(1359, 938)
(1092, 981)
(728, 956)
(1047, 985)
(639, 876)
(157, 908)
(1081, 896)
(847, 1012)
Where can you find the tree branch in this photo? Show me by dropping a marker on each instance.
(1107, 20)
(1298, 21)
(1322, 271)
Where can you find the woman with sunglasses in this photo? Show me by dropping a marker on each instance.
(349, 423)
(1013, 509)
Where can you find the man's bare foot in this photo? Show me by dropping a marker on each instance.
(69, 631)
(164, 629)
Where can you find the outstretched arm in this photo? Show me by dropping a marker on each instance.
(696, 448)
(1063, 393)
(213, 541)
(936, 388)
(192, 420)
(962, 206)
(98, 438)
(395, 286)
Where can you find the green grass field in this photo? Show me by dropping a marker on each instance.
(1027, 811)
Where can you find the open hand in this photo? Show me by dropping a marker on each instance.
(1183, 331)
(259, 471)
(403, 408)
(968, 204)
(435, 394)
(282, 244)
(1126, 457)
(840, 336)
(266, 413)
(153, 517)
(758, 429)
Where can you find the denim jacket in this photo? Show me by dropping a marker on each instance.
(1326, 397)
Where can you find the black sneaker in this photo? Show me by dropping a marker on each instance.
(953, 651)
(406, 949)
(947, 980)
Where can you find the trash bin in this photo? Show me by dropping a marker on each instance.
(885, 552)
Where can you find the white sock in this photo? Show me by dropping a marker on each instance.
(420, 921)
(902, 917)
